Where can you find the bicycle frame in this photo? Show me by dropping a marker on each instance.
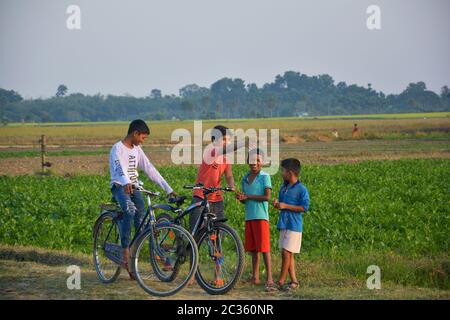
(148, 220)
(204, 215)
(150, 223)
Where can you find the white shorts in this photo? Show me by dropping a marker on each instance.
(290, 240)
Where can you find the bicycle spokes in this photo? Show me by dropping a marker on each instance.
(218, 254)
(160, 259)
(107, 251)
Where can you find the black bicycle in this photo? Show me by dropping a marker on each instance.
(221, 253)
(163, 255)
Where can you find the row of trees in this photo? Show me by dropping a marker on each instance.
(290, 94)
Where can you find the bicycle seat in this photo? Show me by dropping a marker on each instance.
(213, 216)
(112, 206)
(179, 200)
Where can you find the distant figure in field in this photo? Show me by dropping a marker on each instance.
(335, 133)
(355, 130)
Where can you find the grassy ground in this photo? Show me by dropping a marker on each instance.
(31, 273)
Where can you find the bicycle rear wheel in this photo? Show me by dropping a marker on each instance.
(165, 259)
(106, 248)
(221, 259)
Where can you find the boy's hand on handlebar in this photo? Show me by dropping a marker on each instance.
(173, 194)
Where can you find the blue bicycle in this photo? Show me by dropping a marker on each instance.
(163, 255)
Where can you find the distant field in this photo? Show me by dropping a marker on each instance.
(358, 116)
(292, 130)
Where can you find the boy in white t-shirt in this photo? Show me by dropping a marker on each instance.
(125, 158)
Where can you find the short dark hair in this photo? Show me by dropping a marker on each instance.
(256, 151)
(291, 164)
(215, 132)
(138, 125)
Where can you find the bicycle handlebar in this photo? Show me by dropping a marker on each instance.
(139, 188)
(209, 189)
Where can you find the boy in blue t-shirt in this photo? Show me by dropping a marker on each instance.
(256, 191)
(293, 201)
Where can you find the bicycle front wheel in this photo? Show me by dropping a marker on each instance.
(165, 259)
(221, 259)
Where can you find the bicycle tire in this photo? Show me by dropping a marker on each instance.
(193, 261)
(240, 261)
(115, 271)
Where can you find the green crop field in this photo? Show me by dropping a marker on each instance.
(388, 212)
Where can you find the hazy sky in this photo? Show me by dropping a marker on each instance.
(135, 46)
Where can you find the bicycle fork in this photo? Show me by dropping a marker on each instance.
(214, 243)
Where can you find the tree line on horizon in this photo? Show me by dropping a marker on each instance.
(290, 94)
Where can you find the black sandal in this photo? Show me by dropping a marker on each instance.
(291, 286)
(131, 274)
(271, 287)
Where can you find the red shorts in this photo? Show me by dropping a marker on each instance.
(257, 236)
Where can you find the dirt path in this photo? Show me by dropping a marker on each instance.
(29, 273)
(32, 273)
(309, 152)
(31, 280)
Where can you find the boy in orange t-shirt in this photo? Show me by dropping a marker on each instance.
(214, 166)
